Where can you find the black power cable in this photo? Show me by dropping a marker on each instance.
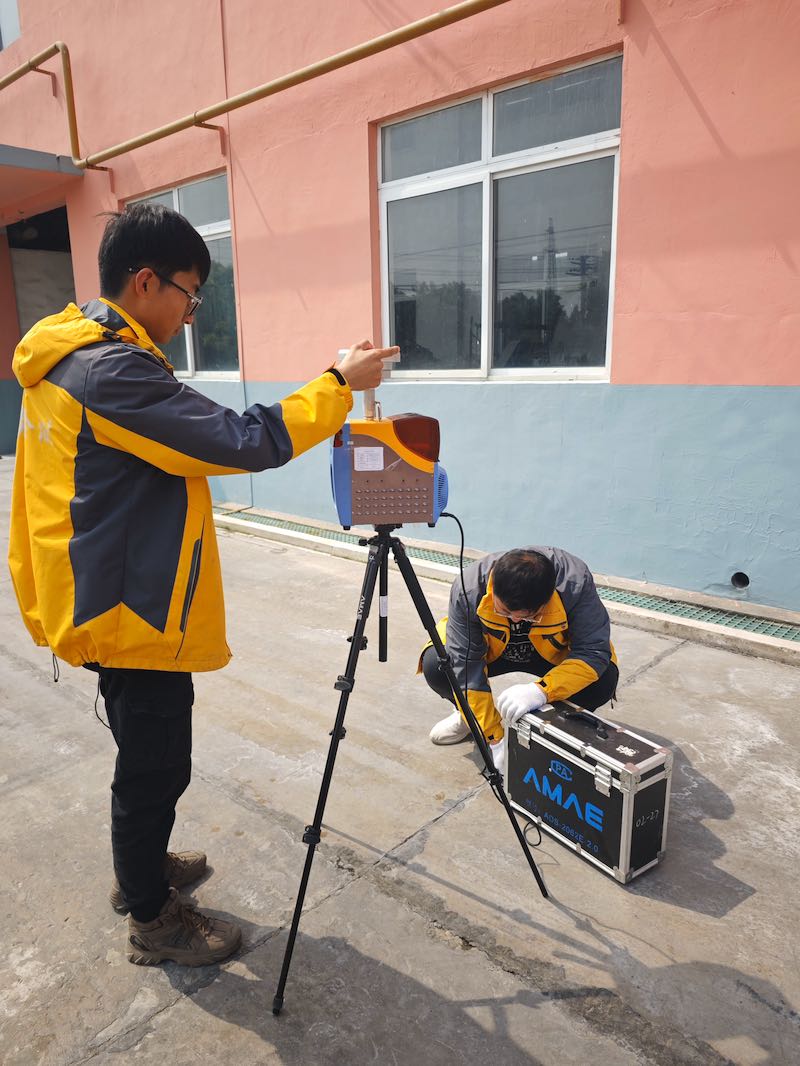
(448, 514)
(457, 520)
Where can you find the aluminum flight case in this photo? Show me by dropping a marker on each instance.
(598, 788)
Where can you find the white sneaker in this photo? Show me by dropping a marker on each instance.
(450, 730)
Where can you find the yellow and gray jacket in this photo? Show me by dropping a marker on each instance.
(573, 634)
(113, 553)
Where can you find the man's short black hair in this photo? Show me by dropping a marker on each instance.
(149, 235)
(523, 580)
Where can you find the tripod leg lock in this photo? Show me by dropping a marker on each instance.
(494, 777)
(312, 835)
(343, 684)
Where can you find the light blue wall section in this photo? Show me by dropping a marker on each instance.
(677, 485)
(10, 398)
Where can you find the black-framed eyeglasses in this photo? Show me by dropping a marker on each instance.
(194, 300)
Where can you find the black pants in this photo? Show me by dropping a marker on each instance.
(590, 698)
(150, 714)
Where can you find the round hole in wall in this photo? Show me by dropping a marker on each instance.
(740, 580)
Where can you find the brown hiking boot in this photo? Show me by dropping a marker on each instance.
(181, 934)
(179, 869)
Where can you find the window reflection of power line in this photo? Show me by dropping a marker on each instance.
(438, 253)
(460, 248)
(559, 230)
(530, 237)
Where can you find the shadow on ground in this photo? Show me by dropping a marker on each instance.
(688, 877)
(344, 1008)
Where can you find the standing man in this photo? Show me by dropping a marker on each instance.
(113, 552)
(534, 610)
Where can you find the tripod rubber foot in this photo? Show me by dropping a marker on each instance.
(277, 1005)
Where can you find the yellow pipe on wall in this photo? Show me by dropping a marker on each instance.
(69, 95)
(342, 59)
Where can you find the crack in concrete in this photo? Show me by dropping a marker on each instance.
(355, 868)
(782, 1010)
(603, 1010)
(144, 1024)
(342, 858)
(457, 804)
(294, 825)
(632, 678)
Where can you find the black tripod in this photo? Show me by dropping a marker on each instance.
(378, 564)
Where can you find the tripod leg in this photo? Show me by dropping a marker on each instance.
(378, 552)
(383, 608)
(493, 776)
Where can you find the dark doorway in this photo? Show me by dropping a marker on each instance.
(41, 263)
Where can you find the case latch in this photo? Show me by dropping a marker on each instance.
(602, 780)
(524, 733)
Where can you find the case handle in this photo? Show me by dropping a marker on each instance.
(586, 716)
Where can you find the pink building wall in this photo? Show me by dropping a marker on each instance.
(708, 234)
(680, 470)
(708, 237)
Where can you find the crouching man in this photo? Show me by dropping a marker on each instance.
(530, 610)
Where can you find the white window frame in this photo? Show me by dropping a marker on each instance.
(210, 232)
(485, 171)
(10, 29)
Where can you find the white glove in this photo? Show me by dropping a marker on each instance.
(498, 751)
(518, 700)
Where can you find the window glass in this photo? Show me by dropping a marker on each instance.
(557, 109)
(205, 202)
(210, 344)
(214, 329)
(166, 199)
(9, 22)
(176, 352)
(435, 279)
(552, 265)
(432, 142)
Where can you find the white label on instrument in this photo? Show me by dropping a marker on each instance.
(383, 606)
(368, 458)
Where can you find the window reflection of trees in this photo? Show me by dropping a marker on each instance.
(558, 324)
(214, 329)
(438, 326)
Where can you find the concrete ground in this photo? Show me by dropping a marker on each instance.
(425, 940)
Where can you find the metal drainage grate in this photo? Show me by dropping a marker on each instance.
(445, 558)
(693, 612)
(295, 527)
(748, 623)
